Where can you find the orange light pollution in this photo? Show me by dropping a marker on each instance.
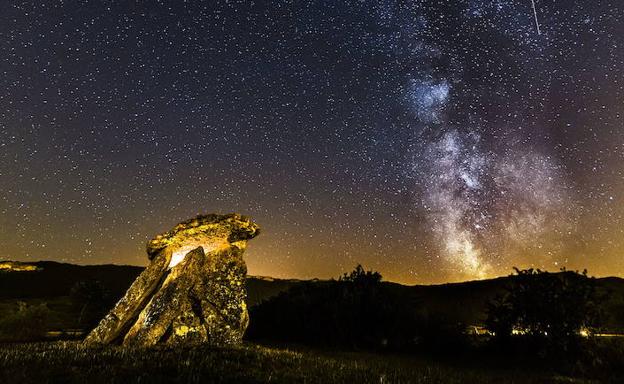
(431, 142)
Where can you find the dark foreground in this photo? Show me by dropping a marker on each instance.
(69, 362)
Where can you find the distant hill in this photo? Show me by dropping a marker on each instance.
(465, 301)
(49, 279)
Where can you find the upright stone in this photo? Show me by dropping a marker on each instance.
(193, 290)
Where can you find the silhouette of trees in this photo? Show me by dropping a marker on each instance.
(90, 300)
(355, 311)
(361, 277)
(27, 323)
(552, 309)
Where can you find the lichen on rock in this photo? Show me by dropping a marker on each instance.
(193, 290)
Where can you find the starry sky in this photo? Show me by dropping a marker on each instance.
(432, 141)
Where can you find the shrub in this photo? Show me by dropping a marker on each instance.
(361, 278)
(354, 311)
(357, 311)
(27, 323)
(552, 310)
(90, 302)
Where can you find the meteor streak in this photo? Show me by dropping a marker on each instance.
(535, 15)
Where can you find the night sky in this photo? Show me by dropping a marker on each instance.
(429, 140)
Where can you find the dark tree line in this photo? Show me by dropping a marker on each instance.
(26, 323)
(546, 311)
(355, 311)
(90, 302)
(550, 310)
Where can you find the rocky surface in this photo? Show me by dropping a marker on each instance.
(193, 290)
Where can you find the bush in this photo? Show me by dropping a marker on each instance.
(357, 311)
(28, 323)
(550, 310)
(361, 278)
(90, 301)
(354, 311)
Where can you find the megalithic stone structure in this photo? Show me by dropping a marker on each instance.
(193, 290)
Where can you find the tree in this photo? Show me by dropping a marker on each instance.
(357, 311)
(89, 299)
(361, 277)
(555, 309)
(27, 323)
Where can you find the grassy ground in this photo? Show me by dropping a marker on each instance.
(69, 362)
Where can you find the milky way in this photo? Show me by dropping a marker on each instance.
(429, 140)
(483, 201)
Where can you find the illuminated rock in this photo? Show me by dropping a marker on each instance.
(193, 290)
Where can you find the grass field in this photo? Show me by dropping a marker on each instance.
(69, 362)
